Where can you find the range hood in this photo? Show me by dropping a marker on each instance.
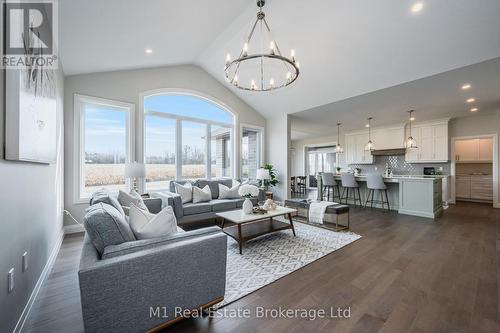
(389, 152)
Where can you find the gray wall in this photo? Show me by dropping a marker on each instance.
(31, 204)
(127, 86)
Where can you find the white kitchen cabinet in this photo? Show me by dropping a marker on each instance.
(432, 143)
(474, 187)
(474, 150)
(485, 150)
(355, 149)
(462, 187)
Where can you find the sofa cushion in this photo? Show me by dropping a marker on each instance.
(239, 202)
(105, 226)
(196, 208)
(220, 205)
(105, 197)
(214, 185)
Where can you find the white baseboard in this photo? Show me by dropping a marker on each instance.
(45, 272)
(73, 229)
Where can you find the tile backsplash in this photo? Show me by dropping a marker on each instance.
(399, 166)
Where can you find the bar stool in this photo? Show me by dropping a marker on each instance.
(329, 183)
(349, 182)
(375, 182)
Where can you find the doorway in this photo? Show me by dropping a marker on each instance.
(474, 169)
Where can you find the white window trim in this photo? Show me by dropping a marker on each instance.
(179, 118)
(261, 129)
(78, 138)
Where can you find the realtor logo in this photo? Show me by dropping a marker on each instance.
(29, 32)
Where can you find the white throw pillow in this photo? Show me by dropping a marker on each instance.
(146, 225)
(127, 199)
(202, 195)
(185, 191)
(228, 193)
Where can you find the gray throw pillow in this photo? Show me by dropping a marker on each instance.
(106, 226)
(107, 198)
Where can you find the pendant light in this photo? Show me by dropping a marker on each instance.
(338, 148)
(411, 143)
(369, 145)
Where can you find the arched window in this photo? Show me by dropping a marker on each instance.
(186, 137)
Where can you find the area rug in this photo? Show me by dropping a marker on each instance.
(270, 257)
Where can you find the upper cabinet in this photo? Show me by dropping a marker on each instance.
(383, 138)
(355, 149)
(432, 143)
(474, 150)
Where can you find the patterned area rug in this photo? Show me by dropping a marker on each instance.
(270, 257)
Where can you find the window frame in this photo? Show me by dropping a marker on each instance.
(261, 131)
(79, 138)
(178, 134)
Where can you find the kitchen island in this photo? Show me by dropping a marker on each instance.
(416, 195)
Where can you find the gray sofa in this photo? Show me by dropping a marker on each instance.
(129, 285)
(194, 212)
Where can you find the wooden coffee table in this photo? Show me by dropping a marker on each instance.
(250, 226)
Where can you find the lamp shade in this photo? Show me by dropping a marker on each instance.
(135, 170)
(263, 174)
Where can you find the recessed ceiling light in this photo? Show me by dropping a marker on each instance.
(471, 100)
(474, 109)
(417, 7)
(466, 86)
(148, 51)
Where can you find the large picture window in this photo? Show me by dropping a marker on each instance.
(186, 137)
(251, 152)
(104, 128)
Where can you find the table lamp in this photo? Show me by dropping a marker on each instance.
(133, 171)
(263, 175)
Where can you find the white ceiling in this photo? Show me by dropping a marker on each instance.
(346, 48)
(97, 35)
(438, 96)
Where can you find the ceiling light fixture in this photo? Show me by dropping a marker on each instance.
(261, 71)
(369, 145)
(410, 143)
(148, 51)
(417, 7)
(338, 148)
(471, 100)
(466, 86)
(474, 109)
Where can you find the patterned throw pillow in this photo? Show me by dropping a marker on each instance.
(229, 193)
(185, 191)
(202, 195)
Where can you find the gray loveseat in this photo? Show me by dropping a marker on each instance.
(129, 285)
(194, 212)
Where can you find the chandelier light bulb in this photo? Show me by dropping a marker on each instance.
(271, 82)
(245, 50)
(297, 64)
(272, 47)
(288, 76)
(292, 55)
(252, 85)
(235, 80)
(228, 59)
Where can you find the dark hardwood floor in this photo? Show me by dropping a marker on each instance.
(407, 274)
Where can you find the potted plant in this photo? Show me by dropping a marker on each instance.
(248, 191)
(273, 181)
(338, 170)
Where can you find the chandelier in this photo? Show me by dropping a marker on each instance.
(265, 70)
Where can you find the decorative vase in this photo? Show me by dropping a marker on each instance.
(247, 206)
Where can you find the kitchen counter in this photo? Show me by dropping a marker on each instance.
(419, 195)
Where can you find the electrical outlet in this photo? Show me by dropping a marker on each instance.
(11, 279)
(25, 261)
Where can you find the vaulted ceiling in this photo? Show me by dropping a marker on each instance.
(346, 48)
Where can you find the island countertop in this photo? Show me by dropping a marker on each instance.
(397, 178)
